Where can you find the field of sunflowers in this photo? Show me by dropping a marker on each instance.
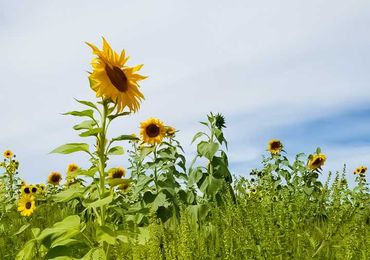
(164, 205)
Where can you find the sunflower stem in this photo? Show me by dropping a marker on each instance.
(102, 157)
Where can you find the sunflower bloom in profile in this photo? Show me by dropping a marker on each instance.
(54, 178)
(112, 79)
(152, 131)
(275, 146)
(26, 205)
(316, 161)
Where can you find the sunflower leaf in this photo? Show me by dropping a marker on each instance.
(111, 117)
(71, 148)
(87, 103)
(124, 137)
(92, 132)
(88, 124)
(87, 112)
(117, 150)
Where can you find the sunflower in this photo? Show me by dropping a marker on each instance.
(26, 189)
(360, 170)
(112, 79)
(72, 168)
(34, 189)
(26, 205)
(41, 187)
(22, 183)
(152, 131)
(170, 131)
(8, 154)
(117, 173)
(124, 187)
(274, 146)
(54, 178)
(316, 161)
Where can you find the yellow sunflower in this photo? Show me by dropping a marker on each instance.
(360, 170)
(316, 161)
(26, 189)
(34, 189)
(26, 205)
(54, 178)
(112, 79)
(22, 183)
(117, 173)
(8, 154)
(170, 131)
(275, 146)
(124, 187)
(152, 131)
(72, 168)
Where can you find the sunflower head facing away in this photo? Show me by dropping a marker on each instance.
(112, 79)
(360, 170)
(125, 187)
(54, 178)
(8, 154)
(170, 131)
(316, 161)
(275, 146)
(26, 205)
(117, 173)
(152, 131)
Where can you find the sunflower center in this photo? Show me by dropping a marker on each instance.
(152, 130)
(317, 162)
(55, 178)
(28, 205)
(275, 145)
(117, 174)
(34, 190)
(27, 190)
(117, 77)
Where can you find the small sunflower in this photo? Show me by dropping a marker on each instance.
(112, 79)
(152, 131)
(34, 189)
(117, 173)
(26, 189)
(8, 154)
(170, 131)
(360, 170)
(275, 146)
(316, 161)
(22, 183)
(26, 205)
(72, 168)
(220, 121)
(41, 187)
(54, 178)
(124, 187)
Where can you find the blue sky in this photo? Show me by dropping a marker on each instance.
(296, 70)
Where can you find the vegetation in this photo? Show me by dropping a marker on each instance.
(171, 208)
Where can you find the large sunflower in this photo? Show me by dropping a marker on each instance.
(152, 131)
(54, 178)
(316, 161)
(26, 205)
(112, 79)
(275, 146)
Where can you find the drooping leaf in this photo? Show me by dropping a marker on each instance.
(116, 150)
(71, 148)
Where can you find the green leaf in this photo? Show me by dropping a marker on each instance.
(87, 103)
(197, 135)
(95, 253)
(195, 176)
(69, 224)
(207, 150)
(105, 234)
(117, 181)
(69, 194)
(117, 150)
(27, 251)
(23, 228)
(99, 202)
(92, 132)
(111, 117)
(88, 124)
(124, 137)
(71, 148)
(87, 112)
(159, 201)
